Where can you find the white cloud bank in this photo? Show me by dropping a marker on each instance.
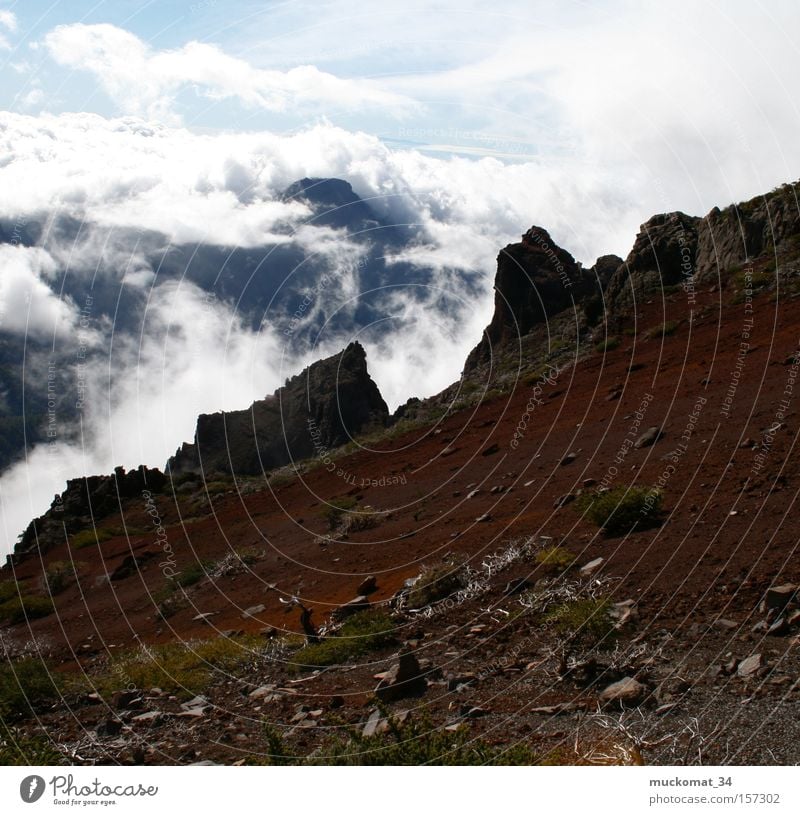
(145, 82)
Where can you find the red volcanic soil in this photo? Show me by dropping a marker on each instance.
(728, 535)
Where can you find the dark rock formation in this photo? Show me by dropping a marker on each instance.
(332, 202)
(535, 279)
(663, 255)
(317, 410)
(85, 501)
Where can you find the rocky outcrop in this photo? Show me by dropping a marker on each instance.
(535, 279)
(663, 255)
(317, 410)
(730, 237)
(83, 502)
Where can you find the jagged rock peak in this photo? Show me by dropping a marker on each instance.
(321, 408)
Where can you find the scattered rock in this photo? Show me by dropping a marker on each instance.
(109, 727)
(750, 666)
(371, 727)
(779, 628)
(490, 450)
(564, 500)
(592, 566)
(403, 679)
(517, 586)
(152, 717)
(351, 607)
(127, 700)
(369, 585)
(568, 459)
(625, 693)
(649, 437)
(457, 682)
(779, 597)
(253, 610)
(482, 519)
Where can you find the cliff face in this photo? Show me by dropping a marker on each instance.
(321, 408)
(535, 280)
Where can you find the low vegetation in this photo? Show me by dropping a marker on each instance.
(411, 743)
(623, 509)
(90, 537)
(435, 583)
(25, 607)
(363, 632)
(608, 344)
(185, 668)
(336, 509)
(18, 750)
(555, 558)
(57, 576)
(586, 620)
(26, 685)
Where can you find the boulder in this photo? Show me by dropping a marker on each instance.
(369, 585)
(779, 597)
(625, 693)
(402, 680)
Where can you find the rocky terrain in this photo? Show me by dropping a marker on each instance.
(582, 552)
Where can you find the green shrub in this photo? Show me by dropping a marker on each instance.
(608, 344)
(90, 537)
(555, 558)
(623, 510)
(336, 509)
(193, 573)
(435, 583)
(363, 632)
(666, 329)
(362, 519)
(25, 686)
(9, 589)
(57, 576)
(409, 744)
(588, 620)
(185, 667)
(17, 750)
(27, 607)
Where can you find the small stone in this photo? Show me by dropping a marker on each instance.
(490, 450)
(592, 566)
(371, 727)
(482, 519)
(151, 717)
(473, 493)
(369, 585)
(264, 690)
(779, 628)
(564, 500)
(351, 607)
(649, 437)
(625, 693)
(588, 482)
(725, 625)
(253, 610)
(750, 666)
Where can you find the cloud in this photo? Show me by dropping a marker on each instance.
(28, 305)
(8, 20)
(145, 82)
